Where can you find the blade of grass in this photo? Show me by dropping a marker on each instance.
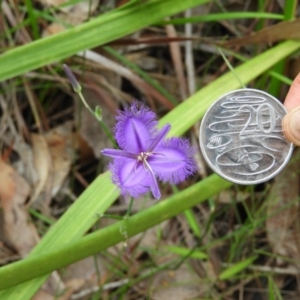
(112, 25)
(187, 252)
(236, 268)
(223, 16)
(274, 292)
(41, 217)
(261, 6)
(290, 9)
(191, 219)
(229, 66)
(281, 77)
(32, 19)
(101, 193)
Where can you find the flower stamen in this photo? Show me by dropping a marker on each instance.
(142, 157)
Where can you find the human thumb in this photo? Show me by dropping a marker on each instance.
(291, 125)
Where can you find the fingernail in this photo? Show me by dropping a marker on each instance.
(291, 126)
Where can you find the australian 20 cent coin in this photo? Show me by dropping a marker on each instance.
(241, 137)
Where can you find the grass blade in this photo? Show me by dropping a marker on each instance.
(236, 268)
(224, 16)
(99, 31)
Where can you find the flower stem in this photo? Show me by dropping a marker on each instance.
(129, 209)
(77, 89)
(103, 126)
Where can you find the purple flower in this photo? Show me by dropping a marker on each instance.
(146, 154)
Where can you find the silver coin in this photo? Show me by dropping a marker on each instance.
(241, 137)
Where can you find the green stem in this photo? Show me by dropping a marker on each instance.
(97, 113)
(36, 266)
(103, 126)
(129, 209)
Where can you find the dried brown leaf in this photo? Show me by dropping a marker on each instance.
(72, 286)
(182, 283)
(53, 156)
(53, 286)
(53, 2)
(53, 28)
(62, 147)
(86, 271)
(25, 166)
(43, 295)
(152, 40)
(271, 34)
(82, 276)
(73, 14)
(6, 254)
(228, 196)
(14, 191)
(43, 166)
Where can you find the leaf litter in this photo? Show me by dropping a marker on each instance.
(14, 191)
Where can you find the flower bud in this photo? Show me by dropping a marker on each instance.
(76, 86)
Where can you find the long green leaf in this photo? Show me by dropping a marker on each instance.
(101, 30)
(91, 244)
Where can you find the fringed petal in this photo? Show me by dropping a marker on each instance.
(132, 179)
(135, 127)
(173, 162)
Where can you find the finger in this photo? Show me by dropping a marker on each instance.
(291, 121)
(292, 99)
(291, 125)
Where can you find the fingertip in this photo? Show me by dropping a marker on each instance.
(292, 99)
(291, 126)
